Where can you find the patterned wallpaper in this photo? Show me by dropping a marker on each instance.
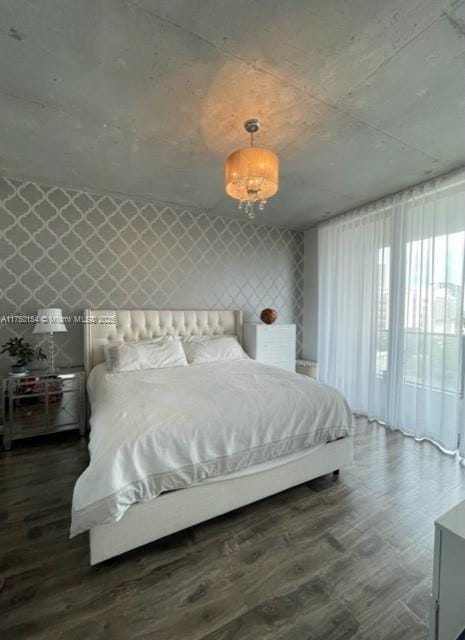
(72, 249)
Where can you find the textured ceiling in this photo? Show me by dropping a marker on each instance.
(145, 98)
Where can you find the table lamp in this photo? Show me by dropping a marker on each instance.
(50, 321)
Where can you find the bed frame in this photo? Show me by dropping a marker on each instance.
(177, 510)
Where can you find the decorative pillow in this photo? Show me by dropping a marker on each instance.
(144, 354)
(201, 349)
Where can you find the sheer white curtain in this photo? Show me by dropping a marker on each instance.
(391, 309)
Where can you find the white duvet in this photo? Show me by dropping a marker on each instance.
(163, 429)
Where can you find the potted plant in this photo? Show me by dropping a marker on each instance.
(23, 353)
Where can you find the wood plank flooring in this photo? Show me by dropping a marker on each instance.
(333, 559)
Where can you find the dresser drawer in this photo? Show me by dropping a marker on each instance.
(275, 350)
(276, 334)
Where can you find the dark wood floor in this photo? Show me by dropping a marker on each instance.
(330, 560)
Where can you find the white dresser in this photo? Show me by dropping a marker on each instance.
(271, 344)
(448, 614)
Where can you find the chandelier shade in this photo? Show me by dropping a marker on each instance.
(251, 174)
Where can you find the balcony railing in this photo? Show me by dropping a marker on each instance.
(430, 359)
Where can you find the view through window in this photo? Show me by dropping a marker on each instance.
(433, 311)
(434, 319)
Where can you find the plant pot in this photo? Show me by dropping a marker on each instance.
(18, 369)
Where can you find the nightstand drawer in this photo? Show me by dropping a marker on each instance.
(29, 417)
(64, 411)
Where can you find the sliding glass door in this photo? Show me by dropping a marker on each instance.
(391, 318)
(428, 312)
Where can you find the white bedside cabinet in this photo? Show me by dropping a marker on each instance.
(448, 614)
(271, 344)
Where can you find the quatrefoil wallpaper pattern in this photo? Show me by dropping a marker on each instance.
(72, 249)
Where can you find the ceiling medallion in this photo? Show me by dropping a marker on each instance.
(251, 173)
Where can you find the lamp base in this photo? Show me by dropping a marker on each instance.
(51, 354)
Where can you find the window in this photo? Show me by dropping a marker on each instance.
(433, 311)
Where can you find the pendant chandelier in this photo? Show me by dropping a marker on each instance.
(251, 174)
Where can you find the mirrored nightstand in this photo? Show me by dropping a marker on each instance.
(41, 403)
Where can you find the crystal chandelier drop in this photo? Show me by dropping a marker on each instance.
(251, 173)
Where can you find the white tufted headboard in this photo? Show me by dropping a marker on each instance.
(141, 324)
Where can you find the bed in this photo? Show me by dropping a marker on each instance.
(144, 483)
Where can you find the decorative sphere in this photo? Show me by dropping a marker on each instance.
(268, 316)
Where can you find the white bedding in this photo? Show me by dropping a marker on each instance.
(164, 429)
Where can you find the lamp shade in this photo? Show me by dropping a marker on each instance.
(50, 321)
(251, 174)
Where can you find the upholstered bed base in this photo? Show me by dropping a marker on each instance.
(177, 510)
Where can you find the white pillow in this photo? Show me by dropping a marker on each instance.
(201, 349)
(144, 354)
